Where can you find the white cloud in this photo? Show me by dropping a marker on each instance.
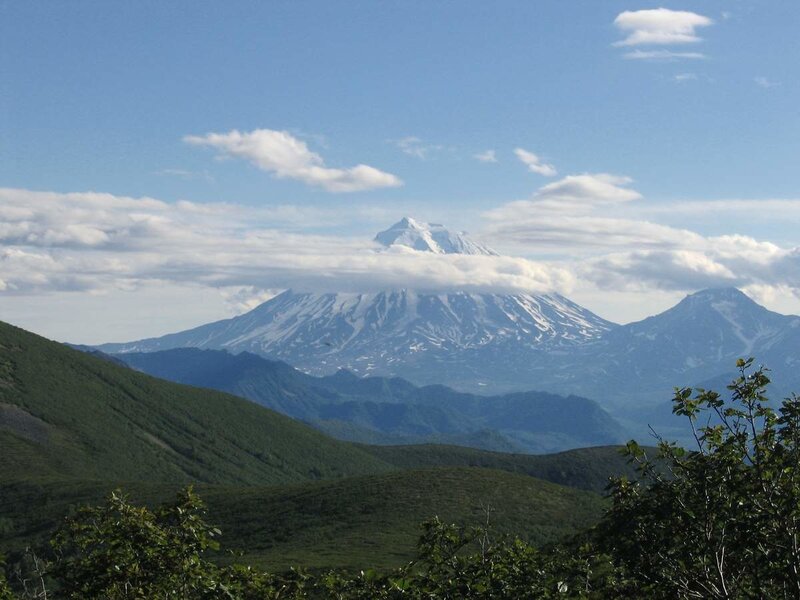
(682, 77)
(414, 146)
(738, 261)
(660, 26)
(662, 55)
(286, 157)
(534, 163)
(585, 223)
(489, 156)
(580, 234)
(584, 190)
(563, 216)
(125, 243)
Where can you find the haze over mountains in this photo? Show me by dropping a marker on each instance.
(383, 410)
(497, 343)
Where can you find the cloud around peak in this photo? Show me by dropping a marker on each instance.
(96, 243)
(287, 157)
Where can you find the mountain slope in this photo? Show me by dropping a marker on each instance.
(497, 342)
(364, 521)
(361, 409)
(429, 338)
(430, 237)
(695, 342)
(469, 340)
(68, 414)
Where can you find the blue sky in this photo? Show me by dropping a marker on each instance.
(684, 114)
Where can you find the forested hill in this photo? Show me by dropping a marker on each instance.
(70, 414)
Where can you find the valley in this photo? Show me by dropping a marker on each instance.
(75, 425)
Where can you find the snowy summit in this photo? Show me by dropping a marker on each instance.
(430, 237)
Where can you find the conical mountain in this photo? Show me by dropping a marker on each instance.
(456, 338)
(498, 343)
(430, 237)
(697, 341)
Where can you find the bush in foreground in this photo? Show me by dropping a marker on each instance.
(721, 521)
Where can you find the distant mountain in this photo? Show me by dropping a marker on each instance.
(430, 338)
(392, 410)
(498, 343)
(472, 340)
(430, 237)
(695, 342)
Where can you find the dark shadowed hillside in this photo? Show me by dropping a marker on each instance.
(384, 410)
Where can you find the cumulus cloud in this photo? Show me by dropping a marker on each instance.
(588, 224)
(110, 242)
(572, 215)
(579, 233)
(488, 156)
(598, 188)
(286, 157)
(659, 26)
(738, 261)
(534, 163)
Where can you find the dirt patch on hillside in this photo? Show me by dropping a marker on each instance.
(23, 423)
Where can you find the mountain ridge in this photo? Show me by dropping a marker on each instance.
(391, 410)
(501, 343)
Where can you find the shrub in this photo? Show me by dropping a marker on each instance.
(722, 520)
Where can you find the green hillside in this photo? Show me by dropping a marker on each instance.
(584, 468)
(366, 521)
(74, 426)
(374, 521)
(69, 414)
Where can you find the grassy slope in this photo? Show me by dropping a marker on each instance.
(585, 468)
(70, 414)
(366, 521)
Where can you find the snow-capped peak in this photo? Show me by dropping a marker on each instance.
(430, 237)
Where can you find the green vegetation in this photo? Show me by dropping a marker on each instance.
(720, 521)
(120, 551)
(368, 521)
(73, 426)
(724, 521)
(68, 414)
(584, 468)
